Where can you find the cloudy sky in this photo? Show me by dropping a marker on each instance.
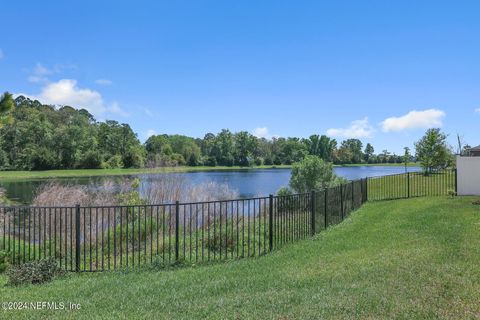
(375, 70)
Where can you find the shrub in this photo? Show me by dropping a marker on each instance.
(221, 242)
(452, 193)
(91, 160)
(159, 263)
(114, 162)
(284, 191)
(312, 173)
(211, 161)
(4, 260)
(34, 272)
(259, 161)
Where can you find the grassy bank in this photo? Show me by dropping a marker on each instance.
(407, 259)
(12, 175)
(116, 172)
(410, 164)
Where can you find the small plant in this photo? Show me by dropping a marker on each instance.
(35, 272)
(452, 193)
(4, 260)
(220, 242)
(159, 263)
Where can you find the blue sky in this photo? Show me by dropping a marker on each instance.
(286, 68)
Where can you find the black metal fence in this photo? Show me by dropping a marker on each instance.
(413, 184)
(113, 237)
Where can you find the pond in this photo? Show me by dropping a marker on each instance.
(248, 182)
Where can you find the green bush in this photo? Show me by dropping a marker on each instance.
(259, 161)
(114, 162)
(4, 260)
(312, 173)
(284, 191)
(221, 242)
(91, 160)
(35, 272)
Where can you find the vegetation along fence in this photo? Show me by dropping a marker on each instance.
(113, 237)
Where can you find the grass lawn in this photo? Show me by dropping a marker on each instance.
(415, 184)
(415, 258)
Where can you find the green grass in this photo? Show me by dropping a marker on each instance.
(12, 175)
(405, 259)
(15, 175)
(415, 184)
(410, 164)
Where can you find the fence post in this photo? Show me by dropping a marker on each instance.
(353, 196)
(326, 207)
(408, 184)
(366, 189)
(177, 232)
(312, 200)
(77, 238)
(456, 181)
(270, 223)
(341, 201)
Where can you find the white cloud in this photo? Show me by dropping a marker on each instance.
(150, 133)
(477, 110)
(357, 129)
(103, 82)
(261, 132)
(1, 54)
(414, 120)
(66, 92)
(40, 73)
(116, 109)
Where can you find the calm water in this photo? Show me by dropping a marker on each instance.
(249, 183)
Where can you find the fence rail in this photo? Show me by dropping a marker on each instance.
(85, 239)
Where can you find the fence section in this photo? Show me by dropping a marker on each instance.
(113, 237)
(413, 184)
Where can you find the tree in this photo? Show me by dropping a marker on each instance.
(245, 148)
(369, 150)
(312, 173)
(224, 148)
(289, 150)
(385, 156)
(321, 146)
(7, 104)
(432, 151)
(354, 148)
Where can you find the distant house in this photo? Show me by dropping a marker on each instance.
(474, 152)
(468, 172)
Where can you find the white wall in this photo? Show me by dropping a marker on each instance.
(468, 170)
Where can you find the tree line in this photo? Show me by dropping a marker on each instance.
(35, 136)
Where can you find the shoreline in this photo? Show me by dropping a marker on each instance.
(76, 173)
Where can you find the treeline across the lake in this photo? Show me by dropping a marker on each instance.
(34, 136)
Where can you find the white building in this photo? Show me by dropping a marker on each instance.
(468, 172)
